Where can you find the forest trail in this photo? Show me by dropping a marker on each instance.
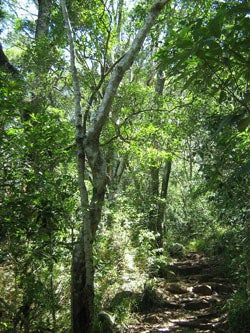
(190, 301)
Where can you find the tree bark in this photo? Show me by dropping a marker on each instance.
(119, 15)
(88, 147)
(159, 187)
(165, 173)
(42, 24)
(162, 203)
(154, 199)
(82, 272)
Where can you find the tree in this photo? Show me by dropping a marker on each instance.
(88, 144)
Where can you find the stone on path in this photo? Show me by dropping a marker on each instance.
(203, 290)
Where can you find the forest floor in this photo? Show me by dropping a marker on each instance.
(191, 301)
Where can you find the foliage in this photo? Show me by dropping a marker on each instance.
(239, 312)
(200, 123)
(35, 205)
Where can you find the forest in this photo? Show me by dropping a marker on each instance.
(124, 166)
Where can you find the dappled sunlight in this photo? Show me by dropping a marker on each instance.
(194, 302)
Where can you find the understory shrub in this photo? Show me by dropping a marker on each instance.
(238, 308)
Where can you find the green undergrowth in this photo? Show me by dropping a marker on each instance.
(238, 308)
(218, 241)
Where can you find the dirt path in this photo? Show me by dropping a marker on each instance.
(193, 302)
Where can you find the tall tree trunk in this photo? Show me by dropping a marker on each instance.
(159, 186)
(165, 172)
(88, 146)
(82, 292)
(42, 24)
(119, 15)
(154, 199)
(162, 202)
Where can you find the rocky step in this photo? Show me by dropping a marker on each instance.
(185, 270)
(180, 322)
(206, 270)
(197, 325)
(206, 322)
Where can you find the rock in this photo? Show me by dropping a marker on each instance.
(186, 270)
(176, 288)
(196, 323)
(203, 290)
(176, 250)
(167, 273)
(221, 288)
(151, 299)
(125, 298)
(205, 278)
(107, 322)
(196, 305)
(171, 306)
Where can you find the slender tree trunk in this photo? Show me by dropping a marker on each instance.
(88, 147)
(82, 274)
(119, 15)
(165, 172)
(162, 203)
(154, 199)
(247, 255)
(52, 286)
(159, 187)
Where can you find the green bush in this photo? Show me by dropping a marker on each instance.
(238, 308)
(151, 299)
(123, 304)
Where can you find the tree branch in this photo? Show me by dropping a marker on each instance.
(120, 69)
(4, 63)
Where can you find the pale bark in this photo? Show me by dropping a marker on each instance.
(119, 169)
(160, 220)
(120, 6)
(82, 279)
(88, 146)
